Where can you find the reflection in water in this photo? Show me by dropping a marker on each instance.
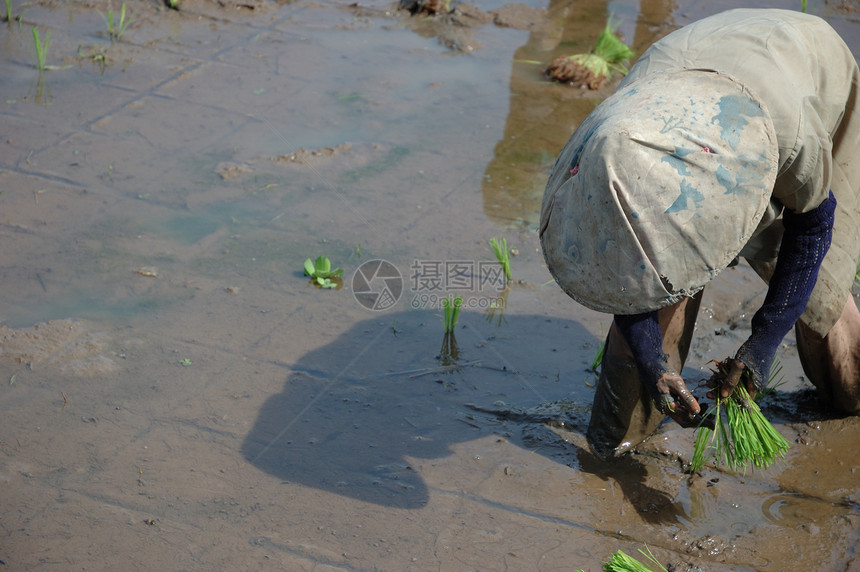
(42, 94)
(541, 120)
(791, 510)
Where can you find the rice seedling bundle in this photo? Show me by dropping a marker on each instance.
(595, 67)
(621, 562)
(742, 435)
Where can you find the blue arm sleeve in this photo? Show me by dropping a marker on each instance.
(643, 335)
(804, 244)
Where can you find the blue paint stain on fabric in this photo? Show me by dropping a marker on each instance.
(727, 180)
(670, 123)
(747, 176)
(731, 118)
(690, 198)
(676, 161)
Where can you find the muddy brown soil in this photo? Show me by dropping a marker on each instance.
(176, 395)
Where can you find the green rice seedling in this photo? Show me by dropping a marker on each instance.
(42, 50)
(742, 435)
(598, 357)
(500, 249)
(173, 4)
(117, 28)
(8, 10)
(621, 562)
(451, 312)
(320, 271)
(595, 67)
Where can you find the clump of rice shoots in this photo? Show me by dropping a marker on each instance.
(500, 249)
(621, 562)
(451, 312)
(595, 67)
(742, 435)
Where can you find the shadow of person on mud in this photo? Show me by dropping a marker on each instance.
(354, 414)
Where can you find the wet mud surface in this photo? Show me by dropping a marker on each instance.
(176, 395)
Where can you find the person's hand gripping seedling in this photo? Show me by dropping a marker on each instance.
(741, 433)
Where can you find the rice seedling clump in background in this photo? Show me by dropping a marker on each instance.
(595, 67)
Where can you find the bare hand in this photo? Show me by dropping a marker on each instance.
(732, 371)
(676, 401)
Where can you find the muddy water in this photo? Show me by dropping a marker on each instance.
(176, 395)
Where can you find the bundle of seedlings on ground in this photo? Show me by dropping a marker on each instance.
(428, 7)
(595, 67)
(741, 434)
(621, 562)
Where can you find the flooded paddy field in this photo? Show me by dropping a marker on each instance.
(175, 394)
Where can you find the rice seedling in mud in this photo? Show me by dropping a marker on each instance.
(742, 435)
(500, 249)
(450, 313)
(116, 28)
(8, 10)
(597, 360)
(621, 562)
(320, 272)
(592, 69)
(42, 50)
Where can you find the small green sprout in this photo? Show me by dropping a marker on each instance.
(185, 362)
(320, 271)
(597, 360)
(8, 10)
(172, 4)
(500, 249)
(42, 50)
(451, 312)
(118, 28)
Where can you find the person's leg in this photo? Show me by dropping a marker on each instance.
(623, 414)
(832, 363)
